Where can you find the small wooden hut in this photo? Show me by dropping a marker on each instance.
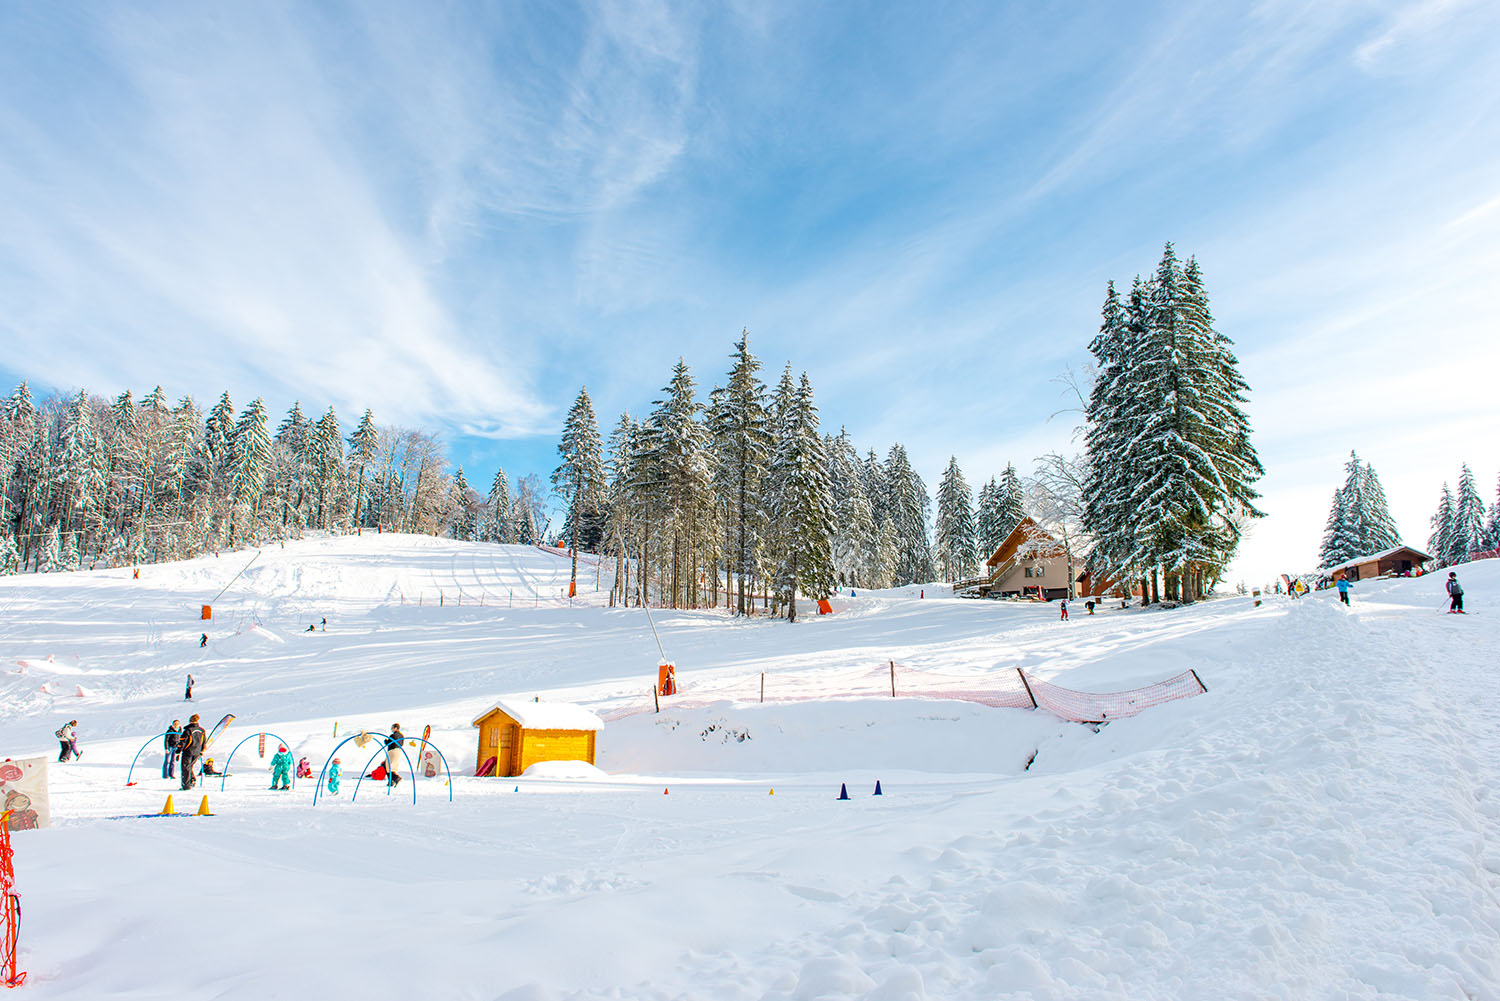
(1390, 562)
(516, 735)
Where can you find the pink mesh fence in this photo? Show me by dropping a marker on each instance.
(1006, 690)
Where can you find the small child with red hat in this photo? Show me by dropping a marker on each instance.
(281, 769)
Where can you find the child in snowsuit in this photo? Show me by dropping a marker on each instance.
(335, 772)
(281, 769)
(1064, 604)
(304, 768)
(1455, 594)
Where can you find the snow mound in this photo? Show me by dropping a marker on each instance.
(564, 770)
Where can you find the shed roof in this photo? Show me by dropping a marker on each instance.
(1417, 555)
(546, 715)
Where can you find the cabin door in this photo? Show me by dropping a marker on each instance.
(505, 751)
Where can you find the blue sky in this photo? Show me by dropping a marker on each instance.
(458, 214)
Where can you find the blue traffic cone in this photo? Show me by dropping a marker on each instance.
(877, 788)
(518, 788)
(843, 791)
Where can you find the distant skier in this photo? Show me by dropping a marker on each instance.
(312, 628)
(187, 693)
(1455, 594)
(1063, 604)
(67, 737)
(281, 769)
(203, 641)
(392, 754)
(170, 745)
(1344, 585)
(191, 743)
(335, 772)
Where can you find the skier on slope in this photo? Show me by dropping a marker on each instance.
(1344, 585)
(1064, 605)
(1455, 594)
(191, 742)
(68, 738)
(281, 769)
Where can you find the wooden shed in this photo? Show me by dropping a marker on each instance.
(516, 735)
(1399, 560)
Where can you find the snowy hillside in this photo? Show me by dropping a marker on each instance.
(1320, 823)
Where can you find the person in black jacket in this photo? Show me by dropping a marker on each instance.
(1455, 594)
(393, 754)
(169, 744)
(191, 743)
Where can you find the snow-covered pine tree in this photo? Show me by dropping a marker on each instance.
(908, 504)
(1468, 519)
(954, 544)
(987, 524)
(1492, 527)
(740, 439)
(1336, 547)
(854, 526)
(620, 525)
(675, 464)
(1440, 542)
(579, 478)
(251, 446)
(363, 443)
(800, 504)
(1012, 503)
(881, 570)
(326, 453)
(1379, 527)
(463, 503)
(497, 526)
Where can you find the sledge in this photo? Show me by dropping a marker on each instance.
(488, 768)
(378, 773)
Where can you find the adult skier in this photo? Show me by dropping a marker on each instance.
(187, 695)
(393, 754)
(1455, 594)
(67, 737)
(281, 769)
(170, 745)
(191, 744)
(1344, 585)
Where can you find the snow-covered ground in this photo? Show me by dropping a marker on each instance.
(1320, 824)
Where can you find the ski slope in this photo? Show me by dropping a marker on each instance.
(1319, 824)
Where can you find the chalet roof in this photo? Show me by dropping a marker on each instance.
(1026, 531)
(545, 715)
(1416, 554)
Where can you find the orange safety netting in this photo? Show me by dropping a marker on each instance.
(1006, 690)
(10, 911)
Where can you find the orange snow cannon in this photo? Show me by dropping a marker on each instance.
(666, 679)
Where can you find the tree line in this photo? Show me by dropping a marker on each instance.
(86, 481)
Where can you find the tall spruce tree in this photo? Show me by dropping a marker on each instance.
(1492, 527)
(363, 442)
(955, 542)
(1468, 519)
(741, 441)
(800, 503)
(1441, 542)
(498, 526)
(907, 504)
(989, 521)
(1359, 521)
(579, 478)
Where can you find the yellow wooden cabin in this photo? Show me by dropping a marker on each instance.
(519, 734)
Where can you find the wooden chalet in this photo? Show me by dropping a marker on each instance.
(1401, 560)
(1030, 563)
(513, 736)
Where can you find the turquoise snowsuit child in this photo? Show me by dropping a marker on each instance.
(335, 772)
(281, 769)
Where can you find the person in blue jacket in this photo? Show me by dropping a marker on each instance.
(1344, 585)
(335, 772)
(281, 769)
(169, 744)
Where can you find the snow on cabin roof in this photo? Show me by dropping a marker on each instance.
(1383, 554)
(546, 715)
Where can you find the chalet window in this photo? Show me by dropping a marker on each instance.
(1028, 571)
(1039, 571)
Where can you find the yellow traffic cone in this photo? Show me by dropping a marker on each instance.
(771, 793)
(203, 810)
(167, 810)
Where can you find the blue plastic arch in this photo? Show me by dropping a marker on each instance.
(420, 740)
(323, 775)
(141, 752)
(263, 733)
(380, 753)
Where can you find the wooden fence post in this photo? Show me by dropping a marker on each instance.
(656, 698)
(1029, 694)
(1199, 680)
(893, 679)
(763, 686)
